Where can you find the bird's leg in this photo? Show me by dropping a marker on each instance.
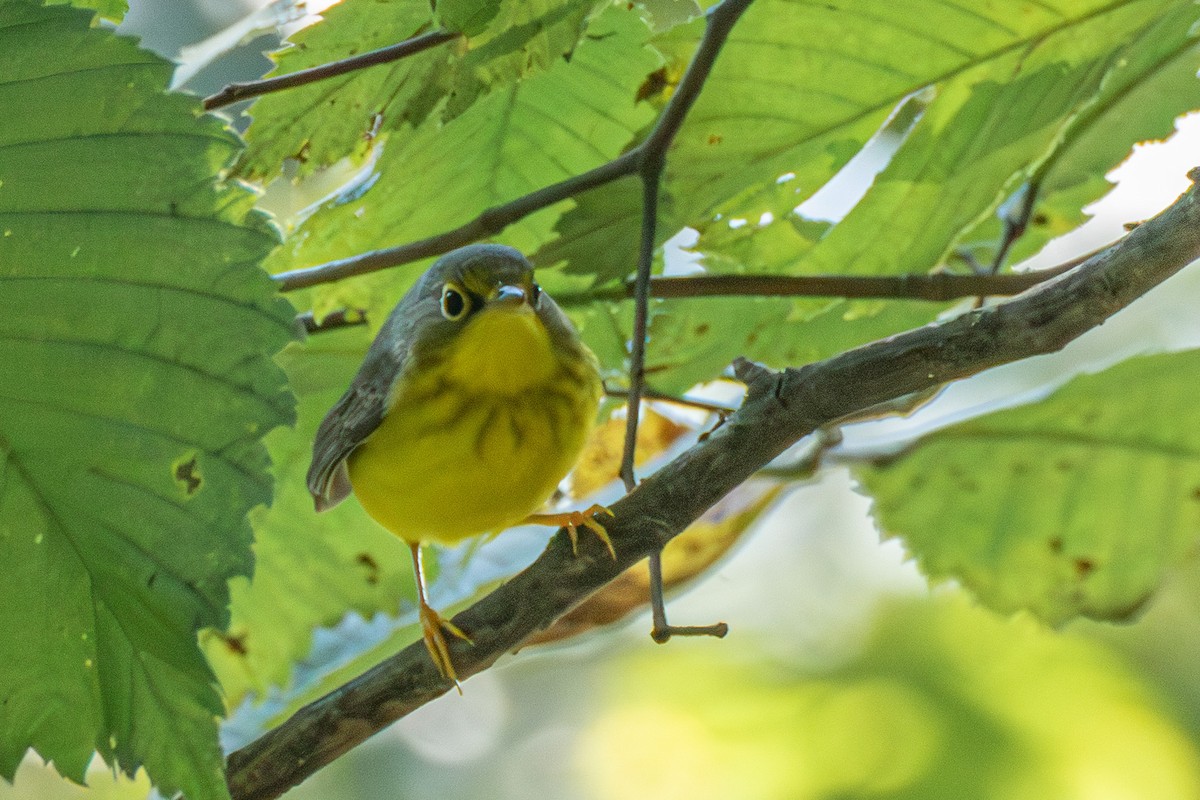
(432, 625)
(571, 520)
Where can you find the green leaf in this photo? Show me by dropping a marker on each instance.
(526, 37)
(985, 129)
(1077, 505)
(1008, 77)
(319, 123)
(440, 176)
(601, 235)
(1153, 83)
(137, 338)
(112, 10)
(323, 121)
(469, 17)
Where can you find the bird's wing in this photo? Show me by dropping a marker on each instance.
(351, 420)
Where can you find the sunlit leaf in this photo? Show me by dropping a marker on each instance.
(320, 123)
(505, 146)
(1009, 79)
(466, 16)
(601, 235)
(1074, 506)
(1153, 83)
(111, 10)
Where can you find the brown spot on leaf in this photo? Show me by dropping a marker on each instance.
(715, 138)
(1063, 465)
(1196, 493)
(654, 84)
(702, 329)
(1084, 567)
(1056, 545)
(235, 643)
(188, 476)
(1040, 219)
(372, 566)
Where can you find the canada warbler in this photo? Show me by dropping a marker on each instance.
(471, 405)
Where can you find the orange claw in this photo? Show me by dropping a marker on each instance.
(432, 626)
(571, 520)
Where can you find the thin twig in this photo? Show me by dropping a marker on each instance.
(934, 286)
(641, 311)
(721, 19)
(700, 405)
(937, 287)
(489, 223)
(653, 158)
(241, 91)
(1015, 225)
(781, 408)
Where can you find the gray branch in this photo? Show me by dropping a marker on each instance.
(780, 409)
(384, 55)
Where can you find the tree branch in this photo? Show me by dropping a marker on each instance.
(780, 409)
(241, 91)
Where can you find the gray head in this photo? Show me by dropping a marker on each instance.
(461, 284)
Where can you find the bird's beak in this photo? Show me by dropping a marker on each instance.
(511, 297)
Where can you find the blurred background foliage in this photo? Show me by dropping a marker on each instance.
(845, 674)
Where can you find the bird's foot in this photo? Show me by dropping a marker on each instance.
(432, 627)
(572, 520)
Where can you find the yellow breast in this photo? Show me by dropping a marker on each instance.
(477, 443)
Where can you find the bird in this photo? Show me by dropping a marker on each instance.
(471, 405)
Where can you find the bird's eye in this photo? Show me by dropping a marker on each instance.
(454, 303)
(535, 292)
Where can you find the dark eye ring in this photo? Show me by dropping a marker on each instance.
(454, 303)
